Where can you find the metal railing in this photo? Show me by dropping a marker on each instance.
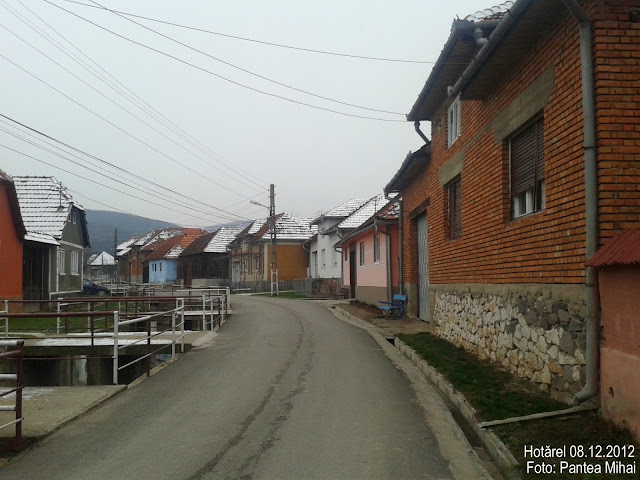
(147, 319)
(17, 356)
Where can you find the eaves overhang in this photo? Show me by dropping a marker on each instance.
(517, 32)
(412, 165)
(456, 54)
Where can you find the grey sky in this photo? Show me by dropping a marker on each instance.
(316, 159)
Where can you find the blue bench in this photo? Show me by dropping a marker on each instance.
(396, 307)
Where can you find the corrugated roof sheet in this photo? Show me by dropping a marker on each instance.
(362, 214)
(491, 13)
(623, 249)
(45, 205)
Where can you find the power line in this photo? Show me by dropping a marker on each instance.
(124, 183)
(101, 184)
(272, 44)
(121, 169)
(122, 130)
(122, 90)
(245, 70)
(103, 95)
(262, 92)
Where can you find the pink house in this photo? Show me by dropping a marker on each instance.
(371, 253)
(618, 264)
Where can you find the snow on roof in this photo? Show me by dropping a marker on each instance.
(221, 239)
(126, 244)
(343, 210)
(365, 212)
(256, 225)
(294, 228)
(45, 205)
(172, 247)
(491, 13)
(102, 258)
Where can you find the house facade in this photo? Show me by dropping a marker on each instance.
(532, 163)
(324, 261)
(251, 252)
(206, 262)
(370, 256)
(57, 234)
(12, 232)
(161, 259)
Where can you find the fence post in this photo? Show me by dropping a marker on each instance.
(116, 320)
(19, 382)
(204, 313)
(182, 328)
(58, 319)
(173, 335)
(6, 319)
(148, 361)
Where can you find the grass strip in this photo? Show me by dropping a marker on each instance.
(593, 447)
(494, 392)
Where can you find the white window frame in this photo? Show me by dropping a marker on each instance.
(323, 258)
(75, 263)
(62, 254)
(334, 257)
(256, 263)
(453, 121)
(362, 254)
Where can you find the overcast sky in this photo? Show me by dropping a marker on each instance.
(231, 132)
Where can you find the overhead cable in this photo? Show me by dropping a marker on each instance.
(272, 44)
(262, 92)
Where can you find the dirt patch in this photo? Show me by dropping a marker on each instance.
(389, 325)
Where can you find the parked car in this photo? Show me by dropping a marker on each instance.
(92, 288)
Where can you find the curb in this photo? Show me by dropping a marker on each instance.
(498, 451)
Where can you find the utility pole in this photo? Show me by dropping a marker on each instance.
(274, 241)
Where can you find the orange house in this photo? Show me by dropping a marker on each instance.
(12, 233)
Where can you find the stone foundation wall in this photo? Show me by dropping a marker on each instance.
(534, 331)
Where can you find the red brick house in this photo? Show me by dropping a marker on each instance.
(12, 232)
(533, 162)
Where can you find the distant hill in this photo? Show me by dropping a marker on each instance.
(102, 224)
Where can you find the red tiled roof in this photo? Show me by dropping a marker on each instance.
(623, 249)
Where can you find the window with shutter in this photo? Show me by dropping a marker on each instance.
(454, 208)
(526, 150)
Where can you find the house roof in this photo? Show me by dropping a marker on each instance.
(341, 211)
(388, 213)
(214, 242)
(125, 247)
(171, 248)
(456, 54)
(515, 34)
(413, 164)
(100, 259)
(154, 238)
(623, 249)
(14, 204)
(362, 214)
(45, 206)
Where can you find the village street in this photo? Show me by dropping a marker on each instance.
(286, 390)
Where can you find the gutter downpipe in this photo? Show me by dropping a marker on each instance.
(400, 240)
(388, 252)
(591, 386)
(416, 125)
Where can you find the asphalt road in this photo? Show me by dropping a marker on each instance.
(285, 391)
